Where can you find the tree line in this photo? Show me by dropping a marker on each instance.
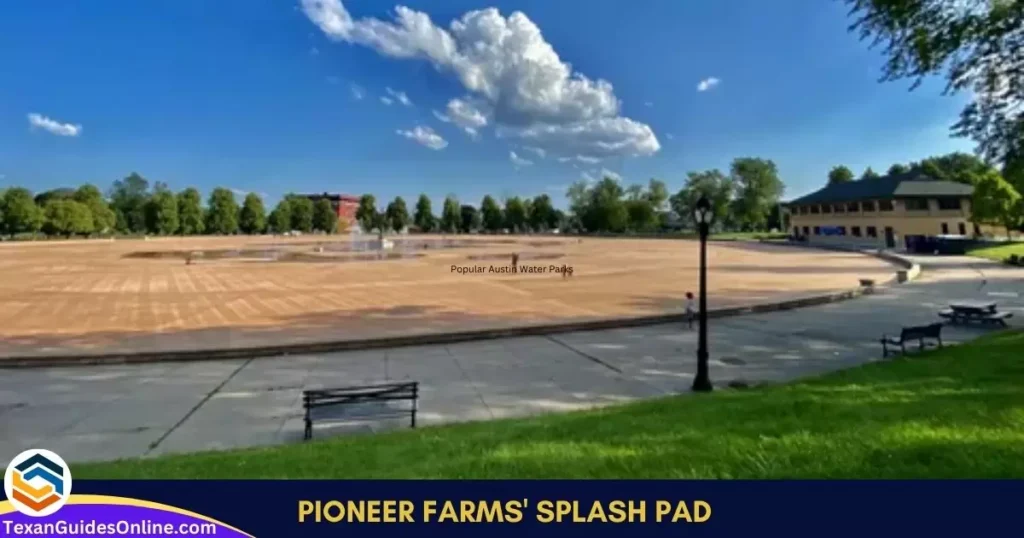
(746, 199)
(134, 207)
(997, 198)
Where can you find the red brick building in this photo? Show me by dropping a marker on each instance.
(344, 205)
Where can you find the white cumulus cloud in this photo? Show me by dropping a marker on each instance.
(357, 92)
(515, 76)
(401, 97)
(468, 115)
(707, 84)
(425, 136)
(38, 121)
(587, 159)
(539, 151)
(517, 160)
(386, 100)
(606, 173)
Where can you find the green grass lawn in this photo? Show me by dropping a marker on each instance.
(957, 412)
(999, 252)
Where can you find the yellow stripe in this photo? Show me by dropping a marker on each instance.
(6, 507)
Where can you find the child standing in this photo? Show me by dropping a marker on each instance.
(691, 311)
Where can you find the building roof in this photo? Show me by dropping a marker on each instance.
(908, 185)
(333, 197)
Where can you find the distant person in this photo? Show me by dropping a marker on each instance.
(515, 261)
(691, 311)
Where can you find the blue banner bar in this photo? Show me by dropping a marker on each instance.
(270, 509)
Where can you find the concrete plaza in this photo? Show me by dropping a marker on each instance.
(109, 412)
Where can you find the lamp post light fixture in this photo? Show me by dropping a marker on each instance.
(703, 215)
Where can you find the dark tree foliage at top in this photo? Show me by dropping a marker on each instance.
(977, 45)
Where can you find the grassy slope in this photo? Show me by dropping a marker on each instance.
(999, 253)
(957, 412)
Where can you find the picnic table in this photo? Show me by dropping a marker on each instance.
(966, 312)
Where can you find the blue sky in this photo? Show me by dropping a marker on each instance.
(275, 96)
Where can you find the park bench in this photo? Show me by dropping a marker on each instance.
(359, 403)
(984, 313)
(921, 334)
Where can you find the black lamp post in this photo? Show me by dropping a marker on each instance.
(703, 216)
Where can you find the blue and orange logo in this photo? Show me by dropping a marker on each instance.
(37, 482)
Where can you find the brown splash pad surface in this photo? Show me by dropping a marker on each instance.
(85, 297)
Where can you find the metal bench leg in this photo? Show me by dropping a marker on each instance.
(308, 434)
(885, 350)
(416, 398)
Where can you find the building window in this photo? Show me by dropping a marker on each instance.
(841, 230)
(962, 228)
(856, 231)
(977, 230)
(872, 231)
(796, 231)
(916, 204)
(840, 208)
(817, 230)
(867, 206)
(807, 231)
(826, 208)
(945, 228)
(852, 207)
(885, 205)
(815, 210)
(803, 210)
(949, 203)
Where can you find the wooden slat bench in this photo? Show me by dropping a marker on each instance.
(922, 334)
(334, 405)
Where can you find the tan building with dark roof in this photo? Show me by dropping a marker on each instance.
(886, 212)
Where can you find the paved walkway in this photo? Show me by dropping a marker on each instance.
(109, 412)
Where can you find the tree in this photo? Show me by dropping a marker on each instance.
(840, 174)
(493, 218)
(21, 214)
(222, 216)
(451, 217)
(515, 214)
(657, 194)
(470, 219)
(642, 216)
(253, 218)
(367, 212)
(128, 199)
(281, 216)
(578, 196)
(397, 214)
(64, 216)
(960, 167)
(897, 169)
(62, 193)
(324, 217)
(190, 212)
(542, 213)
(712, 184)
(301, 212)
(996, 202)
(162, 212)
(605, 210)
(758, 188)
(869, 174)
(103, 219)
(977, 46)
(424, 217)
